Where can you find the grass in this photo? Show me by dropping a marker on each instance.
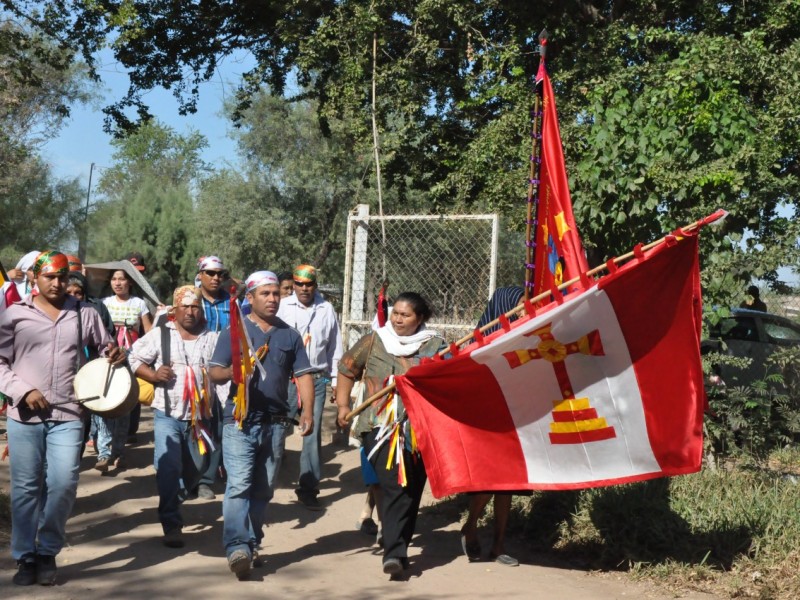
(734, 532)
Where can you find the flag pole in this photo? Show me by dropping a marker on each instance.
(519, 309)
(533, 178)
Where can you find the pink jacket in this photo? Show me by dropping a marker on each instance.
(38, 353)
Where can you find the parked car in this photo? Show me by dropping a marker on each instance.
(750, 334)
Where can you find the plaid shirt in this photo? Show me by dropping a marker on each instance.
(218, 312)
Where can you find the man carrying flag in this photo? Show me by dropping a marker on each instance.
(257, 404)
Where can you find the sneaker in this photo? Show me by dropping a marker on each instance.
(45, 569)
(173, 538)
(102, 464)
(392, 566)
(26, 573)
(239, 564)
(310, 502)
(205, 492)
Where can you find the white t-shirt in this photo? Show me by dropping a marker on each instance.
(128, 313)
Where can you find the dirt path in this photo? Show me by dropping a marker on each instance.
(114, 548)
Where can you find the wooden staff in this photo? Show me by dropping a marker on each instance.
(520, 308)
(533, 180)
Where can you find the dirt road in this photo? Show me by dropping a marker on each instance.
(114, 549)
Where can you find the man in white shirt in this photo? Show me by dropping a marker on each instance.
(315, 320)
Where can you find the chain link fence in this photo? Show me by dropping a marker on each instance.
(450, 259)
(785, 305)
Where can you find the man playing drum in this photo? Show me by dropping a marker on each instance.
(41, 343)
(182, 402)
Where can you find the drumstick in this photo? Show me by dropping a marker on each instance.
(78, 400)
(108, 380)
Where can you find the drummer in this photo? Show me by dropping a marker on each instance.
(191, 346)
(39, 357)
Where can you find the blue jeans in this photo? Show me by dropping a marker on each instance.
(310, 473)
(111, 435)
(44, 460)
(247, 454)
(175, 470)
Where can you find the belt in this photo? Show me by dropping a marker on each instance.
(283, 420)
(319, 374)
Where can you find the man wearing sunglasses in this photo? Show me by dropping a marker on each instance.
(216, 303)
(315, 320)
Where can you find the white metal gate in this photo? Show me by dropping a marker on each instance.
(450, 259)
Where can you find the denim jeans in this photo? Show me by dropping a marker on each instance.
(44, 460)
(247, 454)
(175, 470)
(111, 435)
(215, 428)
(310, 473)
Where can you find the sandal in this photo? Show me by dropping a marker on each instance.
(472, 550)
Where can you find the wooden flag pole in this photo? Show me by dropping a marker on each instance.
(517, 310)
(533, 180)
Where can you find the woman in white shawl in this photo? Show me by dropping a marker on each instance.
(383, 427)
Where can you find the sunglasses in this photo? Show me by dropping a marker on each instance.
(305, 283)
(220, 274)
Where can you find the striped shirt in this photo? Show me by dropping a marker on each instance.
(218, 312)
(502, 301)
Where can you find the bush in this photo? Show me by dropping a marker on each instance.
(736, 530)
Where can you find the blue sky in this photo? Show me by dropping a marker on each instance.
(82, 140)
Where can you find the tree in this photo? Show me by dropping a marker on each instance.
(700, 92)
(148, 203)
(38, 81)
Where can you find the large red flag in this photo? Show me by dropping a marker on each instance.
(605, 388)
(559, 254)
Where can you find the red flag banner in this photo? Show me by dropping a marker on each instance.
(602, 389)
(559, 254)
(8, 291)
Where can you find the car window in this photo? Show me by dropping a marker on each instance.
(781, 331)
(739, 328)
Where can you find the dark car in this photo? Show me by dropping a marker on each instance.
(750, 334)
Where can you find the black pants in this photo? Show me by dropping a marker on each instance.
(400, 504)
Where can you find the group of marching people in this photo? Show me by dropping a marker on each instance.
(212, 407)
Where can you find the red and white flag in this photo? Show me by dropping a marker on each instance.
(604, 388)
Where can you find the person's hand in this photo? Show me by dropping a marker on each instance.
(333, 395)
(15, 274)
(36, 401)
(341, 416)
(116, 355)
(164, 374)
(306, 424)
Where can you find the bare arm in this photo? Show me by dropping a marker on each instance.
(343, 390)
(220, 374)
(305, 385)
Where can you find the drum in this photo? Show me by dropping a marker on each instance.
(108, 390)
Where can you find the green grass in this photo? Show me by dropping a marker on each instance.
(735, 532)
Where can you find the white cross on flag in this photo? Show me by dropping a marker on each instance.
(604, 388)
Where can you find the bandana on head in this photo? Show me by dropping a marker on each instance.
(186, 295)
(210, 263)
(260, 278)
(50, 262)
(305, 274)
(75, 263)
